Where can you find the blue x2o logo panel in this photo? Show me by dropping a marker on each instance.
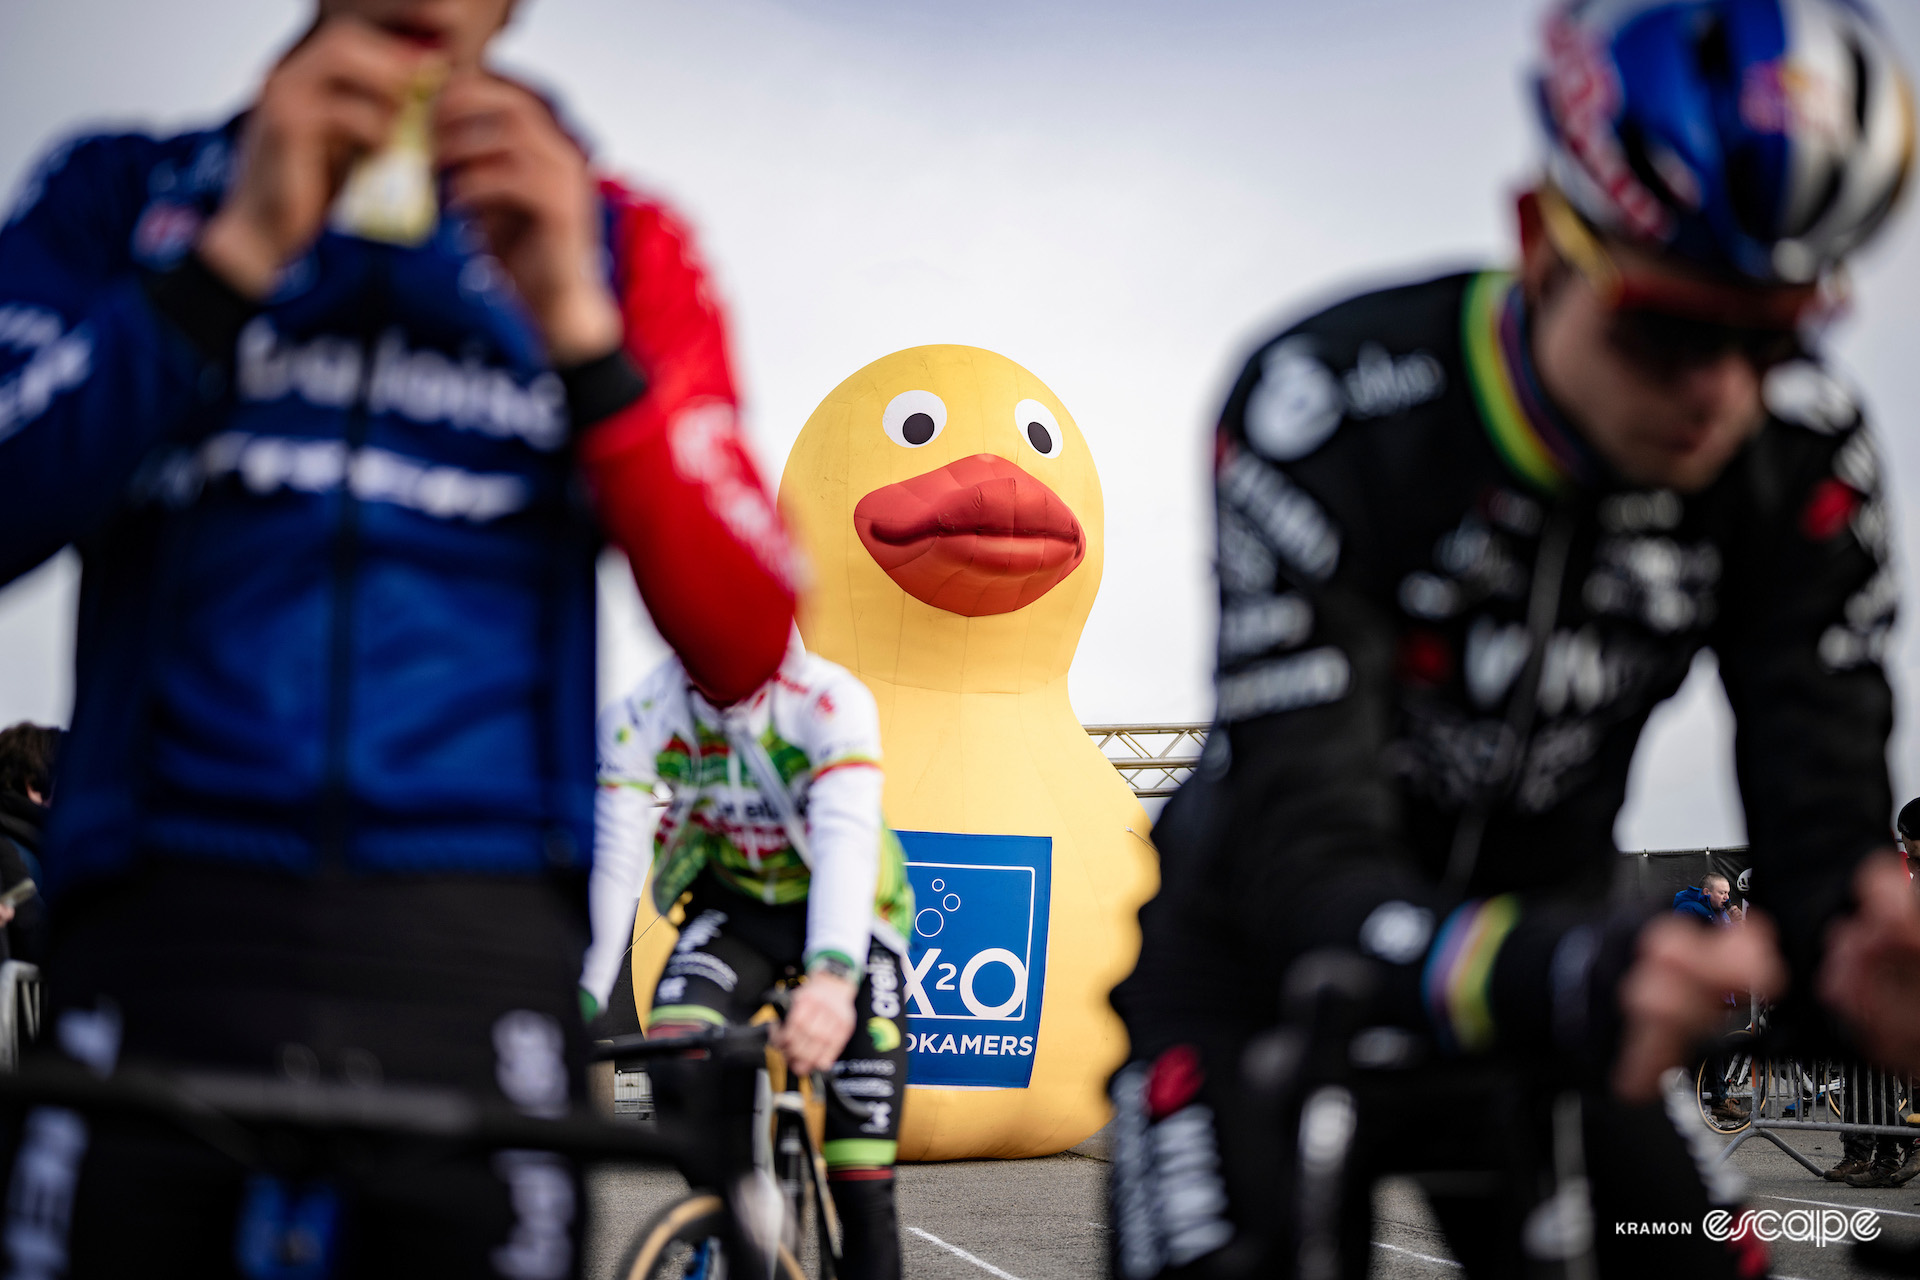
(977, 967)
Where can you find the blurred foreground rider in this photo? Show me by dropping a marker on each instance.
(1471, 532)
(326, 809)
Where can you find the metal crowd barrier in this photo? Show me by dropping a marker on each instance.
(1821, 1095)
(19, 1010)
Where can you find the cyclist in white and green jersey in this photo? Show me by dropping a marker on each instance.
(764, 822)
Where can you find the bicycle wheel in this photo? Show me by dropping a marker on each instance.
(1735, 1061)
(811, 1224)
(682, 1242)
(791, 1171)
(1836, 1087)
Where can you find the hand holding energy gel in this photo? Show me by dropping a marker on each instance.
(390, 195)
(334, 98)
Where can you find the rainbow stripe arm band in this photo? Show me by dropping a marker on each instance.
(1460, 971)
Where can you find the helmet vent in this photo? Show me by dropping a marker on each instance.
(1748, 194)
(1836, 179)
(1860, 85)
(1711, 51)
(1633, 141)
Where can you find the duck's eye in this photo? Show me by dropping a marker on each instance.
(1038, 427)
(914, 418)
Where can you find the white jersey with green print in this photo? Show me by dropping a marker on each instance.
(778, 795)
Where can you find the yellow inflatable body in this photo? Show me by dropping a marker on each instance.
(953, 517)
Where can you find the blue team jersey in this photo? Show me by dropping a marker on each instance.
(337, 603)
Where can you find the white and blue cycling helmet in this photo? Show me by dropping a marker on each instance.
(1763, 140)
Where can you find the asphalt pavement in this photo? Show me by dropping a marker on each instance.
(960, 1220)
(1045, 1219)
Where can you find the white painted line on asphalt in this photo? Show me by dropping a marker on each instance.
(1834, 1204)
(958, 1252)
(1424, 1257)
(1447, 1262)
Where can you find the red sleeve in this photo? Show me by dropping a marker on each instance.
(671, 477)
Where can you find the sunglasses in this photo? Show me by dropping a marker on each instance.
(1665, 344)
(1669, 324)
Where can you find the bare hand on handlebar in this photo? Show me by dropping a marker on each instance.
(1871, 977)
(818, 1024)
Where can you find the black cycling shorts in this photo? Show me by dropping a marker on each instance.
(466, 982)
(732, 949)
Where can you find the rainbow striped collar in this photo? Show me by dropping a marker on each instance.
(1527, 431)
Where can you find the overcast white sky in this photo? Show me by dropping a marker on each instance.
(1120, 195)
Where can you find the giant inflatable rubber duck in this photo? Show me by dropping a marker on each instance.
(953, 517)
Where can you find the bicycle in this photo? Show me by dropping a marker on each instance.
(294, 1129)
(1757, 1080)
(1745, 1077)
(1738, 1080)
(688, 1237)
(1760, 1081)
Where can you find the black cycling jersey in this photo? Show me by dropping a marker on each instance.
(1444, 623)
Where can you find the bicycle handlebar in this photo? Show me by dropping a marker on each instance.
(222, 1108)
(748, 1039)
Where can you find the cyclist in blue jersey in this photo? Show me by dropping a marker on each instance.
(338, 401)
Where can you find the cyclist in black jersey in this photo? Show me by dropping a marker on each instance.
(1471, 532)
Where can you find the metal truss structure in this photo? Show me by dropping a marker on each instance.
(1154, 759)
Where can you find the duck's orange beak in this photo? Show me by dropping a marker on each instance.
(978, 536)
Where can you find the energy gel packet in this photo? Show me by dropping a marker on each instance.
(390, 195)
